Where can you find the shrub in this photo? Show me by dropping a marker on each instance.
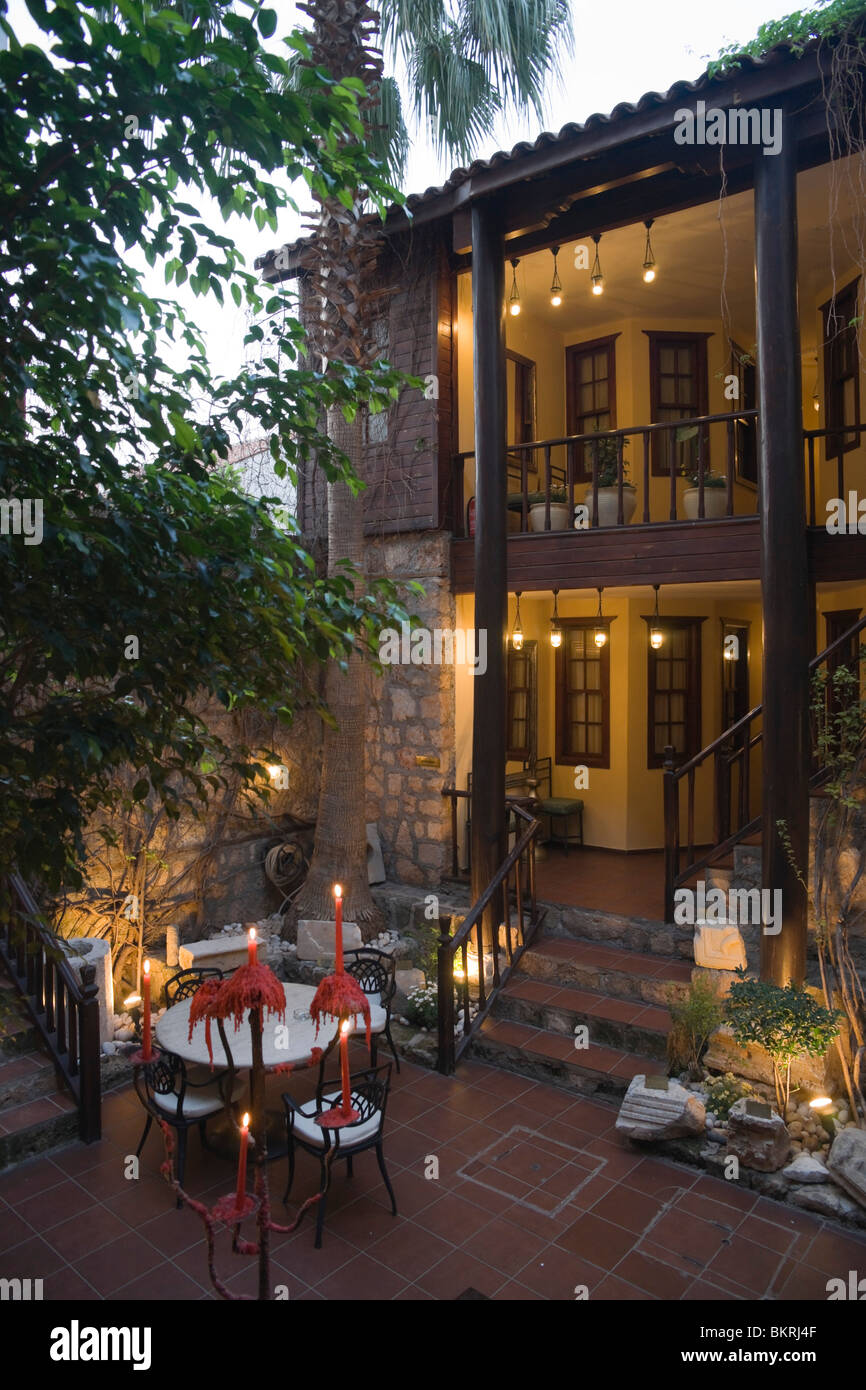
(786, 1022)
(694, 1019)
(422, 1007)
(723, 1091)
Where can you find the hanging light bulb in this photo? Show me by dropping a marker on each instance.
(555, 629)
(596, 276)
(556, 283)
(649, 260)
(600, 628)
(514, 297)
(517, 630)
(657, 637)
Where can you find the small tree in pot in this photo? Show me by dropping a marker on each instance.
(605, 449)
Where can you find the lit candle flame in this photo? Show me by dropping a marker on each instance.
(146, 968)
(345, 1026)
(245, 1122)
(338, 892)
(252, 933)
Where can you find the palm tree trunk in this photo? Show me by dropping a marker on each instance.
(340, 852)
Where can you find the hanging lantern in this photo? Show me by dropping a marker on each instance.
(514, 297)
(517, 630)
(556, 283)
(649, 260)
(600, 635)
(555, 629)
(596, 275)
(657, 637)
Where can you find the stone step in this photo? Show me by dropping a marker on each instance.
(35, 1126)
(606, 970)
(548, 1056)
(642, 934)
(25, 1077)
(747, 860)
(624, 1024)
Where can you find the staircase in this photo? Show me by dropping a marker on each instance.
(574, 976)
(36, 1110)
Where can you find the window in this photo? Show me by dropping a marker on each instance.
(678, 391)
(520, 715)
(590, 394)
(582, 695)
(841, 370)
(674, 681)
(520, 387)
(745, 431)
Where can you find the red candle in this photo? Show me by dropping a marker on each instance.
(344, 1065)
(242, 1164)
(146, 1051)
(251, 947)
(338, 949)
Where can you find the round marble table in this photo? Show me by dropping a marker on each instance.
(289, 1040)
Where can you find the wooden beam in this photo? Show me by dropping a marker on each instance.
(491, 596)
(784, 566)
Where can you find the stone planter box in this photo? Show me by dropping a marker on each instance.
(608, 505)
(715, 503)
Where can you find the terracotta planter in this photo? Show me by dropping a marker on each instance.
(715, 503)
(558, 516)
(608, 505)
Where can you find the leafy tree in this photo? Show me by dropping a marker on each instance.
(786, 1022)
(466, 63)
(155, 583)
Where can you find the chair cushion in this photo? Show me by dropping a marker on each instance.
(198, 1101)
(378, 1017)
(560, 806)
(306, 1127)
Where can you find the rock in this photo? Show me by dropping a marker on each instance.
(110, 1049)
(124, 1035)
(719, 946)
(407, 980)
(758, 1141)
(847, 1163)
(317, 940)
(829, 1200)
(753, 1063)
(717, 1136)
(647, 1114)
(805, 1168)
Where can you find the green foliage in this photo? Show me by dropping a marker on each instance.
(694, 1018)
(826, 20)
(422, 1007)
(723, 1091)
(607, 462)
(785, 1021)
(108, 138)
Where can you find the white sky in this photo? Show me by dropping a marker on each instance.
(623, 48)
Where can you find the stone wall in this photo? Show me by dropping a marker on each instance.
(411, 715)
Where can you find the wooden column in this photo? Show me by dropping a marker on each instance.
(491, 593)
(784, 565)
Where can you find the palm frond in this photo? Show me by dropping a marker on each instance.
(519, 43)
(453, 95)
(387, 136)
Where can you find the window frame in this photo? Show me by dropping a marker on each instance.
(744, 367)
(530, 652)
(834, 402)
(566, 757)
(582, 473)
(659, 464)
(693, 693)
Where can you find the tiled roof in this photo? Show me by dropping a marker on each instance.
(774, 57)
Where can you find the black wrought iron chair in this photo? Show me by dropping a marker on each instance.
(186, 982)
(167, 1092)
(376, 973)
(370, 1091)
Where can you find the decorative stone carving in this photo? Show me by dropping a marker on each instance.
(224, 952)
(648, 1113)
(847, 1163)
(318, 940)
(758, 1141)
(93, 950)
(719, 946)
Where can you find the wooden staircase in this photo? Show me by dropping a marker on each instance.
(566, 982)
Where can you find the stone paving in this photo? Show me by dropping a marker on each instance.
(536, 1198)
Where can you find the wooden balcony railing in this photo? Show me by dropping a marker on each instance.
(548, 472)
(63, 1004)
(836, 446)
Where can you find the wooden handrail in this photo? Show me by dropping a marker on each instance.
(63, 1003)
(521, 857)
(721, 748)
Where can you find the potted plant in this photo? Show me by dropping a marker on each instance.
(559, 517)
(608, 489)
(715, 496)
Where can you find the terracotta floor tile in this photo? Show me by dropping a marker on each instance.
(555, 1274)
(362, 1279)
(33, 1258)
(653, 1276)
(617, 1290)
(410, 1250)
(626, 1207)
(700, 1240)
(58, 1204)
(117, 1264)
(747, 1264)
(597, 1240)
(75, 1239)
(166, 1284)
(459, 1271)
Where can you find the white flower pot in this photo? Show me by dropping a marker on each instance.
(715, 503)
(608, 505)
(558, 516)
